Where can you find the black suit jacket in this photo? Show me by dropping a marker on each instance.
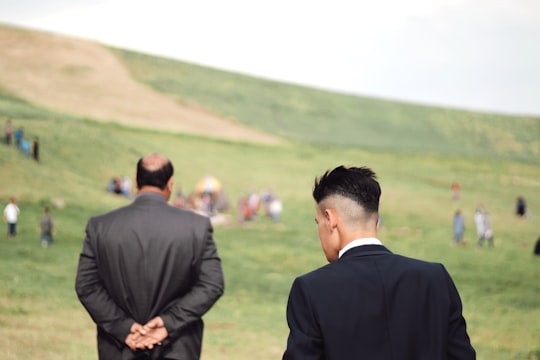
(372, 304)
(144, 260)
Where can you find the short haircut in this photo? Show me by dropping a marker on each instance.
(157, 178)
(355, 183)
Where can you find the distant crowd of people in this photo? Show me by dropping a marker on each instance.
(249, 206)
(482, 220)
(28, 148)
(483, 227)
(209, 199)
(46, 224)
(210, 203)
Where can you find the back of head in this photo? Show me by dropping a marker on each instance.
(154, 170)
(351, 188)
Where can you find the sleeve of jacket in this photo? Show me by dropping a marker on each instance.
(459, 344)
(207, 289)
(95, 298)
(305, 339)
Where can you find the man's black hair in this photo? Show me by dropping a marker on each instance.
(356, 183)
(157, 178)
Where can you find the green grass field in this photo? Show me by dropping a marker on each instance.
(40, 316)
(324, 117)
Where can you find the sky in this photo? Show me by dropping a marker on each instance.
(481, 55)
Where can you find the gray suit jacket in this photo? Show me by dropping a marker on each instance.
(144, 260)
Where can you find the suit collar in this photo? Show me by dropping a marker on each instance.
(359, 242)
(149, 196)
(366, 250)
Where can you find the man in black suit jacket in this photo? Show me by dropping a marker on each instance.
(148, 272)
(369, 303)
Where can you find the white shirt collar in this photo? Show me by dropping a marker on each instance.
(359, 242)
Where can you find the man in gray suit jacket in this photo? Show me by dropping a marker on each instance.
(148, 272)
(369, 303)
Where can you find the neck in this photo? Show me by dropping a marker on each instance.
(361, 234)
(155, 190)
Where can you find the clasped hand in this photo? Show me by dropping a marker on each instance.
(146, 336)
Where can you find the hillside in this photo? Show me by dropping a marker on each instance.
(83, 78)
(329, 118)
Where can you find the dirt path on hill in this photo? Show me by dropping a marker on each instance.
(83, 78)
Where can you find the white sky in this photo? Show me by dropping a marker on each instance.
(476, 54)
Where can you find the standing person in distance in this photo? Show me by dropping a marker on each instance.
(369, 303)
(47, 228)
(479, 220)
(459, 227)
(148, 272)
(11, 215)
(483, 226)
(521, 207)
(8, 132)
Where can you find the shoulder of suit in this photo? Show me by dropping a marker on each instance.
(421, 264)
(189, 214)
(316, 273)
(119, 211)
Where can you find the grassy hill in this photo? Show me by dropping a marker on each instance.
(40, 316)
(324, 117)
(88, 80)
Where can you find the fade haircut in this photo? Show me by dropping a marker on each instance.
(358, 184)
(158, 177)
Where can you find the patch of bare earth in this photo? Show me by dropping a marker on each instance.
(83, 78)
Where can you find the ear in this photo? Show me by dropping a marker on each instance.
(331, 217)
(135, 181)
(170, 184)
(331, 239)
